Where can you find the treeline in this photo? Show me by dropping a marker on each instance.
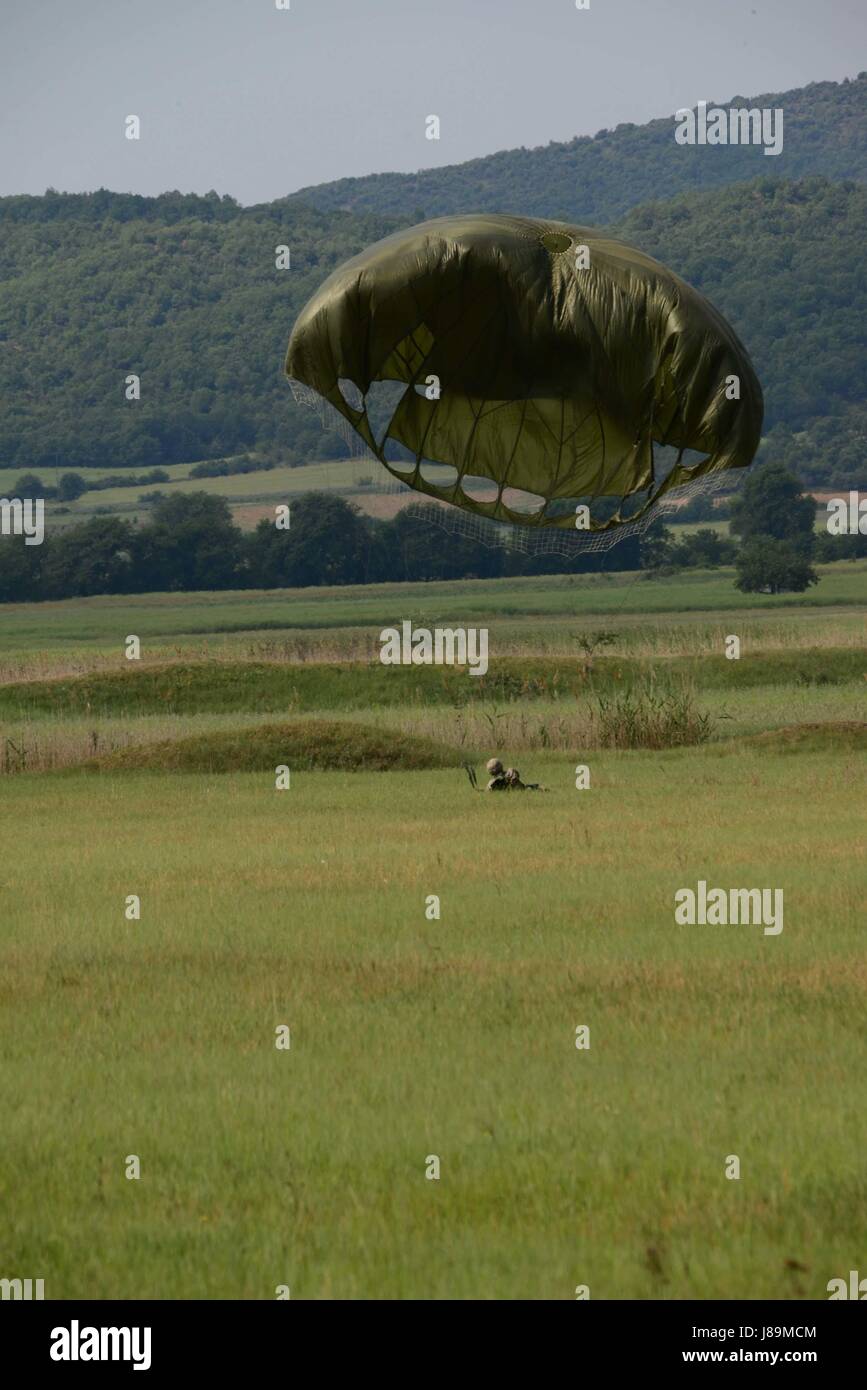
(71, 486)
(191, 543)
(184, 293)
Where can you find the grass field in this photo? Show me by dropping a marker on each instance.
(246, 492)
(565, 603)
(309, 475)
(411, 1036)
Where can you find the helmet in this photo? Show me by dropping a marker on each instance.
(494, 766)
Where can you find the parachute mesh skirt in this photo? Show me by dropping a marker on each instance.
(539, 376)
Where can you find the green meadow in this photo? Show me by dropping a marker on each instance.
(512, 608)
(413, 1034)
(270, 485)
(327, 472)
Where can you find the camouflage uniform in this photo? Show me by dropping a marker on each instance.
(508, 780)
(513, 781)
(498, 781)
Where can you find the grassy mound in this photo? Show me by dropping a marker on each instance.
(839, 736)
(269, 688)
(302, 746)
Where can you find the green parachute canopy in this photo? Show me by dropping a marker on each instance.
(536, 358)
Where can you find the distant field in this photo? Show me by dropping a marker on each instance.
(721, 525)
(564, 604)
(52, 475)
(680, 529)
(243, 490)
(272, 482)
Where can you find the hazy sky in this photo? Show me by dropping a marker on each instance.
(250, 100)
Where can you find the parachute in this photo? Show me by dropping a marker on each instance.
(543, 371)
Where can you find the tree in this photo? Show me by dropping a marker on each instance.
(192, 543)
(705, 548)
(20, 570)
(71, 487)
(326, 543)
(766, 565)
(840, 547)
(96, 558)
(29, 485)
(771, 504)
(702, 507)
(423, 550)
(657, 545)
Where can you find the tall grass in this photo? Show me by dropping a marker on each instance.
(644, 717)
(554, 638)
(478, 731)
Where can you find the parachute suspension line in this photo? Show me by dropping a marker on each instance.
(529, 540)
(332, 421)
(330, 418)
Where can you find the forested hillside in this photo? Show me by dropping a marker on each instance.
(599, 179)
(785, 264)
(183, 291)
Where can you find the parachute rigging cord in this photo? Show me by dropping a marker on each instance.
(537, 376)
(528, 540)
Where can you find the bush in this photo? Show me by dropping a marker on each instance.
(112, 480)
(71, 487)
(705, 549)
(305, 745)
(769, 566)
(830, 548)
(30, 486)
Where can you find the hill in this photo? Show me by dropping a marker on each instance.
(598, 179)
(195, 307)
(180, 290)
(183, 291)
(781, 261)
